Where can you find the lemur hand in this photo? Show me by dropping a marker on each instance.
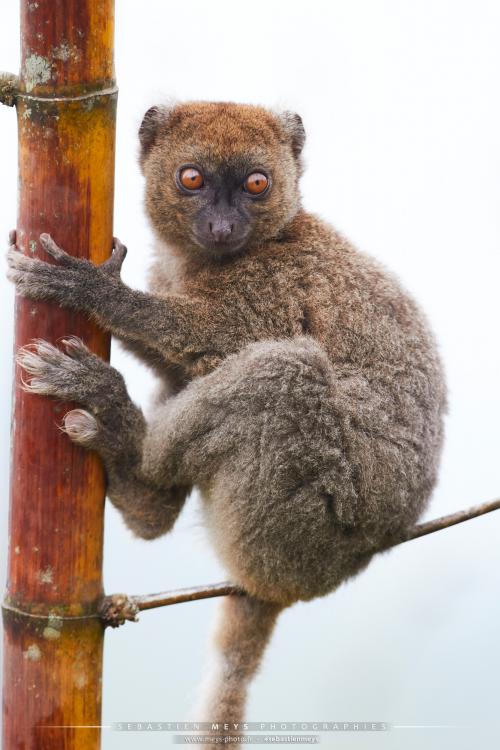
(73, 282)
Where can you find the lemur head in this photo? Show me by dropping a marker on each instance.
(220, 177)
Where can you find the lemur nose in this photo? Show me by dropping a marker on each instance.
(220, 229)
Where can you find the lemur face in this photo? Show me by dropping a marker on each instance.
(227, 199)
(220, 177)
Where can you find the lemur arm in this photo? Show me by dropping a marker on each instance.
(175, 326)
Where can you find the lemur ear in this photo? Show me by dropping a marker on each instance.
(152, 121)
(293, 126)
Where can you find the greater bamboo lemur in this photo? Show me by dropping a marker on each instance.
(302, 391)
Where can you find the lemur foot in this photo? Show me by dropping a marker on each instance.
(77, 375)
(110, 423)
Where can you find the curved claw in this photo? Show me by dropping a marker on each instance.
(55, 251)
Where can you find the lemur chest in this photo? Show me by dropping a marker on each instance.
(265, 311)
(241, 303)
(255, 302)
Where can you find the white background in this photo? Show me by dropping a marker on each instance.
(400, 103)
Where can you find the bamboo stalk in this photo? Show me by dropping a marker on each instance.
(66, 102)
(116, 609)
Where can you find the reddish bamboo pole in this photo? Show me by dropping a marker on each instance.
(66, 101)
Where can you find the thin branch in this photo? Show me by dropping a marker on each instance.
(150, 601)
(438, 524)
(118, 608)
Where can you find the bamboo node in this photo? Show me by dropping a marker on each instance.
(116, 609)
(9, 89)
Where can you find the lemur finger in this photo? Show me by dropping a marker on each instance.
(36, 286)
(76, 348)
(90, 432)
(53, 371)
(94, 431)
(12, 237)
(39, 280)
(81, 427)
(118, 246)
(16, 259)
(78, 375)
(38, 355)
(57, 252)
(115, 262)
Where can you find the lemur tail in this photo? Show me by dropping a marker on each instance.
(242, 632)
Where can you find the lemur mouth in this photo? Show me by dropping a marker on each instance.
(222, 248)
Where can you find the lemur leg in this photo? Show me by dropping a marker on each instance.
(287, 449)
(268, 410)
(266, 437)
(112, 425)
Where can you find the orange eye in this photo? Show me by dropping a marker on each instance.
(191, 178)
(256, 183)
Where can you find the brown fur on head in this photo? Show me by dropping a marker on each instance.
(225, 143)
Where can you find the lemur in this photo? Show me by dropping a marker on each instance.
(301, 389)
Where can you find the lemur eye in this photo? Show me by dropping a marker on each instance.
(256, 183)
(191, 178)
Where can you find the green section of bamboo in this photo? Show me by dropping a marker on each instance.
(66, 104)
